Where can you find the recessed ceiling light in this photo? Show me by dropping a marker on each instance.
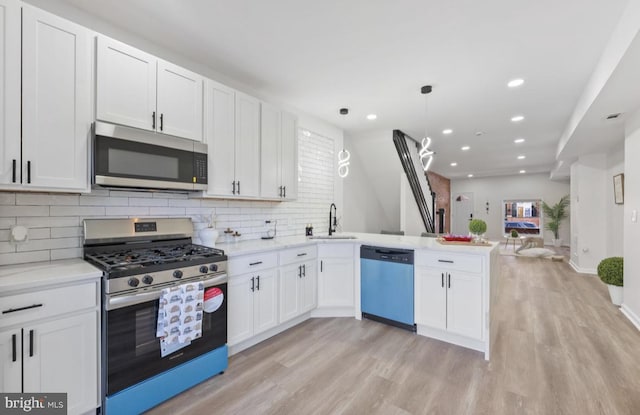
(372, 116)
(306, 133)
(515, 83)
(517, 118)
(518, 140)
(521, 157)
(469, 175)
(454, 164)
(465, 148)
(447, 131)
(479, 133)
(523, 171)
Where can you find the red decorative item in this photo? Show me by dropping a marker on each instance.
(457, 238)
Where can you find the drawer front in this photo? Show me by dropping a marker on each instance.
(250, 263)
(336, 250)
(303, 253)
(449, 261)
(22, 308)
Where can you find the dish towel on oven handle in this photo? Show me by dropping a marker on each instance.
(179, 316)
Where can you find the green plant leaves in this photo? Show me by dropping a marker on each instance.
(554, 215)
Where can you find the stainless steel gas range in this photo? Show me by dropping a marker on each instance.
(164, 319)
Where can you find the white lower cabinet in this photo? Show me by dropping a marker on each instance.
(253, 304)
(297, 289)
(336, 275)
(449, 299)
(49, 344)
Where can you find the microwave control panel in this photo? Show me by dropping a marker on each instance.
(200, 172)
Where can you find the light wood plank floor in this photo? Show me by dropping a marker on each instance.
(561, 348)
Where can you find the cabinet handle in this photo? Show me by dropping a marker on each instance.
(258, 283)
(161, 121)
(255, 263)
(449, 284)
(30, 343)
(14, 348)
(234, 187)
(285, 191)
(29, 171)
(253, 284)
(299, 271)
(14, 171)
(238, 186)
(153, 120)
(280, 191)
(320, 265)
(13, 310)
(442, 280)
(447, 261)
(302, 254)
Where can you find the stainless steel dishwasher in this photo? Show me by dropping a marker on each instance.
(386, 286)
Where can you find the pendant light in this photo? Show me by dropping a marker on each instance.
(426, 155)
(343, 155)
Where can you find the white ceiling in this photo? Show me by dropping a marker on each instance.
(373, 56)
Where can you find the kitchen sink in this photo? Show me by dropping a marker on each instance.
(333, 237)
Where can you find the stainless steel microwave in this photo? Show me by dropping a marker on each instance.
(127, 157)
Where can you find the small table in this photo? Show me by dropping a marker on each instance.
(509, 238)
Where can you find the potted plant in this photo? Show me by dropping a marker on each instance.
(610, 271)
(514, 233)
(209, 235)
(477, 227)
(554, 215)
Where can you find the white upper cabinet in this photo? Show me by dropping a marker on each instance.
(247, 157)
(219, 110)
(278, 154)
(179, 101)
(10, 159)
(126, 85)
(138, 90)
(52, 152)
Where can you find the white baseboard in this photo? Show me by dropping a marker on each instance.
(238, 347)
(577, 269)
(452, 338)
(333, 312)
(633, 317)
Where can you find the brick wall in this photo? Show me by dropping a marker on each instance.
(442, 186)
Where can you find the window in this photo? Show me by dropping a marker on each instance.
(523, 216)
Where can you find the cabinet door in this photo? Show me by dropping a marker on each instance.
(9, 92)
(240, 309)
(265, 301)
(431, 297)
(11, 361)
(464, 304)
(56, 101)
(247, 156)
(126, 85)
(179, 101)
(220, 137)
(335, 282)
(64, 358)
(307, 291)
(290, 280)
(270, 183)
(289, 155)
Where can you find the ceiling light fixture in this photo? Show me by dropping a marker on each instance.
(344, 111)
(465, 148)
(517, 118)
(372, 117)
(343, 163)
(469, 175)
(426, 155)
(523, 171)
(479, 133)
(518, 140)
(454, 164)
(447, 131)
(514, 83)
(521, 157)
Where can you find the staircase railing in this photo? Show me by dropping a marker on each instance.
(418, 180)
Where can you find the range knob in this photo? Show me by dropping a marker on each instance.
(204, 269)
(213, 267)
(177, 274)
(147, 279)
(133, 282)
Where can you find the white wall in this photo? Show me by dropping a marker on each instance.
(497, 189)
(372, 194)
(631, 304)
(614, 213)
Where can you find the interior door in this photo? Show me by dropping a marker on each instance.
(462, 212)
(9, 91)
(179, 101)
(56, 101)
(126, 85)
(220, 137)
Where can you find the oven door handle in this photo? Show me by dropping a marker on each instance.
(121, 301)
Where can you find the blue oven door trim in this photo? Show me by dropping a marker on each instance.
(153, 391)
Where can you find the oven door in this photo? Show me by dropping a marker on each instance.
(130, 342)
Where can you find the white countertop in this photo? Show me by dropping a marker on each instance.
(39, 274)
(391, 241)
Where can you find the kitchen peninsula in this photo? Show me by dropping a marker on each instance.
(276, 284)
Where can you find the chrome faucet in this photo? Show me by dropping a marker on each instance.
(333, 214)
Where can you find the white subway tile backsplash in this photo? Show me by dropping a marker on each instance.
(55, 221)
